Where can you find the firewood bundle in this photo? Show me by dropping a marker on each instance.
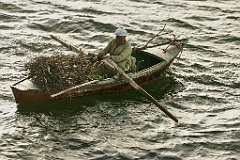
(59, 71)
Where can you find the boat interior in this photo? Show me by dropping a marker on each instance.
(145, 60)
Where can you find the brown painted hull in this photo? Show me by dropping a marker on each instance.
(25, 91)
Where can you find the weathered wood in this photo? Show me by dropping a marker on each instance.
(73, 88)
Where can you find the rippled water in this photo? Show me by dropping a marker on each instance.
(203, 90)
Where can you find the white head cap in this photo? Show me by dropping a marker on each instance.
(120, 32)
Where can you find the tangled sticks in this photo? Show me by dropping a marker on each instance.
(60, 71)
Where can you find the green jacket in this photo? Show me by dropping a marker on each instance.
(121, 55)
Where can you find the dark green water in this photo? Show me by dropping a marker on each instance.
(203, 90)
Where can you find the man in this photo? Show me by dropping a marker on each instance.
(120, 51)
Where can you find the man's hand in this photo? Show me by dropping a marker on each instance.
(95, 59)
(107, 56)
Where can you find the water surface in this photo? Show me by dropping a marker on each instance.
(202, 90)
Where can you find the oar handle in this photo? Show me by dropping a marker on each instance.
(72, 48)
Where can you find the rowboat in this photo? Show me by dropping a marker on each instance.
(152, 62)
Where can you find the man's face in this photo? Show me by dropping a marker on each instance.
(121, 39)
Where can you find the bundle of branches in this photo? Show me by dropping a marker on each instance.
(59, 71)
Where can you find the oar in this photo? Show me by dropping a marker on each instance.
(127, 79)
(72, 48)
(21, 81)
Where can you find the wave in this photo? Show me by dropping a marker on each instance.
(68, 26)
(180, 23)
(10, 7)
(202, 18)
(10, 18)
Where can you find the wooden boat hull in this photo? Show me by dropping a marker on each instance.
(25, 91)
